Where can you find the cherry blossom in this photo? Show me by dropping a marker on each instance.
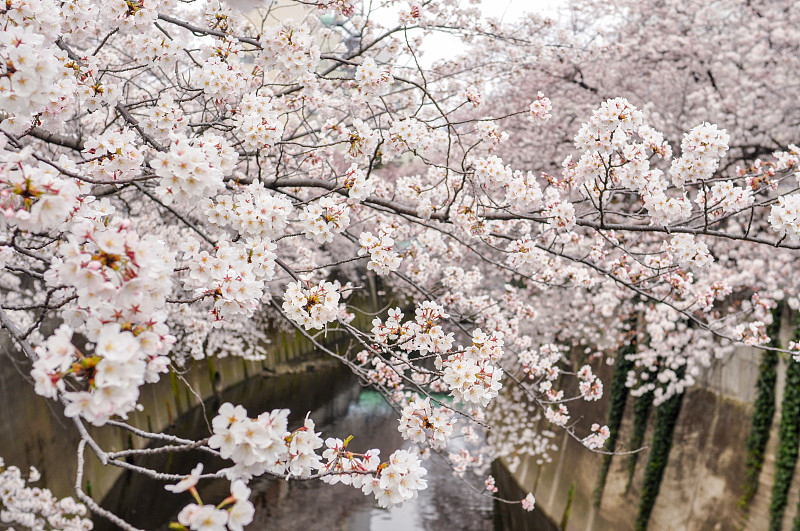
(35, 507)
(183, 180)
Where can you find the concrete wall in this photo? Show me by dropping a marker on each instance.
(703, 478)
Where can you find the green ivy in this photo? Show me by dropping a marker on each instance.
(763, 412)
(568, 506)
(665, 420)
(617, 397)
(641, 412)
(789, 436)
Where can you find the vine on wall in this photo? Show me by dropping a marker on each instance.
(665, 420)
(641, 412)
(789, 436)
(568, 506)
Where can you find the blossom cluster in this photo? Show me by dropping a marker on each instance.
(414, 135)
(610, 127)
(264, 444)
(471, 374)
(312, 306)
(687, 251)
(540, 109)
(164, 118)
(420, 423)
(414, 190)
(541, 363)
(491, 174)
(473, 95)
(121, 282)
(290, 46)
(724, 198)
(701, 150)
(785, 217)
(371, 79)
(258, 123)
(383, 258)
(463, 460)
(223, 76)
(597, 438)
(348, 467)
(590, 386)
(407, 17)
(254, 212)
(34, 507)
(382, 373)
(360, 186)
(234, 276)
(114, 373)
(155, 48)
(323, 218)
(34, 198)
(114, 156)
(361, 140)
(718, 290)
(29, 70)
(527, 259)
(344, 7)
(529, 502)
(424, 334)
(488, 130)
(392, 483)
(523, 192)
(560, 213)
(193, 168)
(612, 158)
(794, 347)
(557, 414)
(752, 334)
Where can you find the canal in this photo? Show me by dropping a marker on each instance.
(340, 407)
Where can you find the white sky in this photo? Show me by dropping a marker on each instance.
(510, 10)
(440, 46)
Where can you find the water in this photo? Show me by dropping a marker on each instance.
(447, 503)
(340, 407)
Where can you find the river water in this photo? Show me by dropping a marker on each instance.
(340, 407)
(446, 504)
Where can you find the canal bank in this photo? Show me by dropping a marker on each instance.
(703, 480)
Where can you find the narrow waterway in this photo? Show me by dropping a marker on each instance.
(340, 408)
(447, 503)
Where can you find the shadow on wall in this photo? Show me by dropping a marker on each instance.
(512, 517)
